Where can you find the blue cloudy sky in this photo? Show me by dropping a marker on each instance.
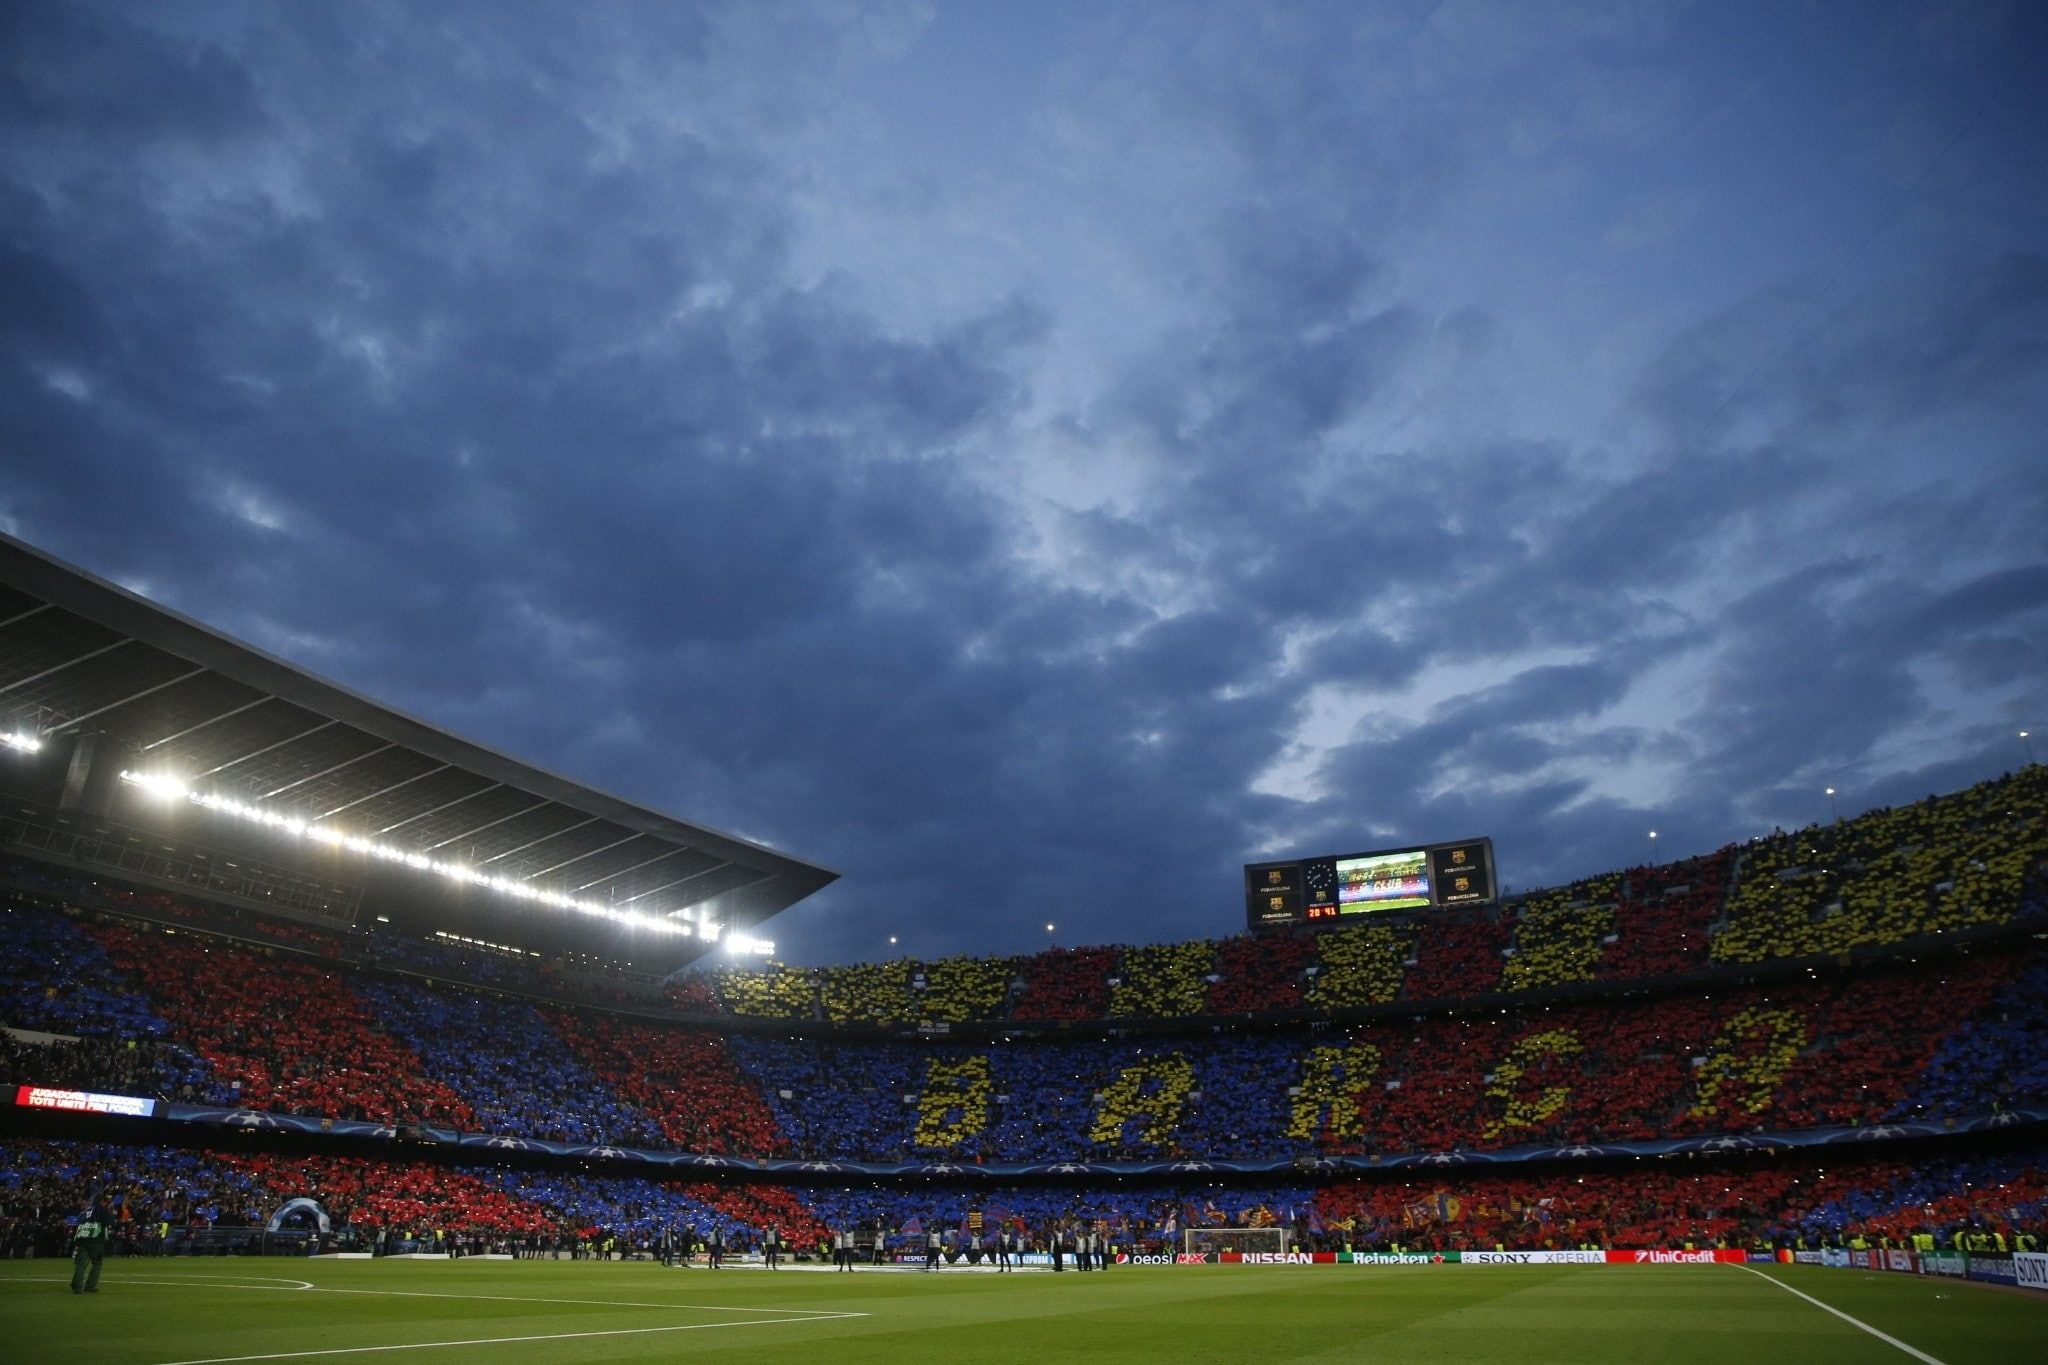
(1035, 457)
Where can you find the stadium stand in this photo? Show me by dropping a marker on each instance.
(1066, 984)
(962, 990)
(1759, 1201)
(1972, 860)
(54, 978)
(874, 993)
(507, 1063)
(1666, 916)
(1888, 876)
(1360, 966)
(1163, 982)
(1258, 976)
(279, 1033)
(1881, 971)
(688, 1082)
(775, 993)
(1943, 1038)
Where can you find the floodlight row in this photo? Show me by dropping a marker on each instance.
(171, 788)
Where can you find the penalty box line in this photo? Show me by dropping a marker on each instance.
(1858, 1323)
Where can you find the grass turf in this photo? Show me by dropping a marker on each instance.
(528, 1313)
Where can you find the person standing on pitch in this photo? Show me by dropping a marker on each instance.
(715, 1244)
(931, 1249)
(1003, 1250)
(89, 1248)
(771, 1249)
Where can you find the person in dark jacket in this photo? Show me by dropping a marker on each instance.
(89, 1247)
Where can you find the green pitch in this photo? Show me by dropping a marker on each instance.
(526, 1313)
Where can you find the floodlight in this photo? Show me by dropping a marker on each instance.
(171, 788)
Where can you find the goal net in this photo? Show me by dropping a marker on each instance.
(1201, 1241)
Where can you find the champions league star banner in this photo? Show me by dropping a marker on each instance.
(996, 1170)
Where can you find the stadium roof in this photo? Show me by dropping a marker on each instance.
(224, 725)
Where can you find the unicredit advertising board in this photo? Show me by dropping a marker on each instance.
(1675, 1257)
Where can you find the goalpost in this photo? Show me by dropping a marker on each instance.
(1200, 1241)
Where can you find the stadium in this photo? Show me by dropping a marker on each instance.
(874, 680)
(341, 999)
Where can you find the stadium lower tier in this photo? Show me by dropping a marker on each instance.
(182, 1018)
(170, 1198)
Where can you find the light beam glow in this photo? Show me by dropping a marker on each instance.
(169, 787)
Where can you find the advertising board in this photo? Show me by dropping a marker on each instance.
(83, 1101)
(1706, 1256)
(1536, 1257)
(1992, 1269)
(1943, 1263)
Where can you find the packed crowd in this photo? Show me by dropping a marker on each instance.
(1974, 859)
(688, 1082)
(1999, 1058)
(127, 1066)
(508, 1062)
(107, 988)
(1946, 863)
(1951, 1038)
(278, 1033)
(54, 979)
(151, 1191)
(1785, 1200)
(1946, 1040)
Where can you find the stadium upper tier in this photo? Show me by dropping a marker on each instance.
(1976, 859)
(1973, 863)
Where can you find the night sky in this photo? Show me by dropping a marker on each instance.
(1034, 458)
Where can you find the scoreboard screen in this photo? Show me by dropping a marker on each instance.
(1347, 886)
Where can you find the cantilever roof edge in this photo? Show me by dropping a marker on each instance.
(86, 594)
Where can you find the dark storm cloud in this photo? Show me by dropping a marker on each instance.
(1966, 339)
(78, 72)
(641, 390)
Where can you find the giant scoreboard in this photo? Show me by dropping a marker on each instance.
(1345, 887)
